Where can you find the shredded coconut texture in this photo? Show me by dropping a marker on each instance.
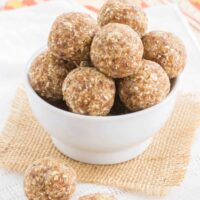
(145, 88)
(71, 36)
(124, 12)
(116, 50)
(166, 49)
(88, 91)
(49, 179)
(98, 196)
(47, 74)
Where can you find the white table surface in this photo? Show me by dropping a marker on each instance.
(24, 31)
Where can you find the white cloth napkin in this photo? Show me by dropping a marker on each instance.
(25, 30)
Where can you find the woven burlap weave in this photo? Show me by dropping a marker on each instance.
(160, 167)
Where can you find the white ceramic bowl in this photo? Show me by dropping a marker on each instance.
(101, 140)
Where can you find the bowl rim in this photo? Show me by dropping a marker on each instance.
(89, 117)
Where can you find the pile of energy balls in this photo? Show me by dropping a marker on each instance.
(110, 66)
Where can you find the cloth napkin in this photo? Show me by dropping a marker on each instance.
(161, 167)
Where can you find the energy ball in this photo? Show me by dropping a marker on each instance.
(46, 75)
(166, 49)
(49, 179)
(116, 50)
(98, 196)
(71, 36)
(88, 91)
(123, 12)
(145, 88)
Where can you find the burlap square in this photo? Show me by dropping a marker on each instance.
(160, 167)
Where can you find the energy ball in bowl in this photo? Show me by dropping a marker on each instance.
(98, 196)
(47, 74)
(116, 50)
(124, 12)
(47, 179)
(166, 49)
(145, 88)
(71, 36)
(88, 91)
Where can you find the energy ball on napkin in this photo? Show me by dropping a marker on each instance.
(49, 179)
(71, 36)
(88, 91)
(145, 88)
(98, 196)
(116, 50)
(166, 49)
(124, 12)
(47, 74)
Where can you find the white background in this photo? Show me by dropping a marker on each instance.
(25, 30)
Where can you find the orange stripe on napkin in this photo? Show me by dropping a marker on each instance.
(192, 21)
(144, 4)
(195, 3)
(92, 8)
